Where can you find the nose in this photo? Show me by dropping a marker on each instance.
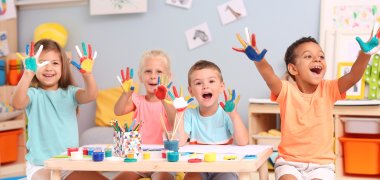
(317, 59)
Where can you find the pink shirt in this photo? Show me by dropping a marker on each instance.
(307, 124)
(149, 113)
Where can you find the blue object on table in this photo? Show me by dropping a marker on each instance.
(171, 145)
(98, 156)
(250, 156)
(172, 156)
(2, 72)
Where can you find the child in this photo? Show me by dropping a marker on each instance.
(46, 91)
(148, 108)
(209, 123)
(306, 149)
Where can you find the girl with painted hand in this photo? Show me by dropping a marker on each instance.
(50, 98)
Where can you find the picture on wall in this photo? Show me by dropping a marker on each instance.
(7, 10)
(180, 3)
(231, 11)
(103, 7)
(357, 90)
(4, 48)
(198, 36)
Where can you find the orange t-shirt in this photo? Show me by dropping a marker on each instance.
(307, 123)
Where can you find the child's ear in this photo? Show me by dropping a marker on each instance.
(190, 91)
(222, 87)
(292, 69)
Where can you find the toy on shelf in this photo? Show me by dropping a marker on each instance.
(372, 77)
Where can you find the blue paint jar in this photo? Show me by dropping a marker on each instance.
(2, 72)
(171, 145)
(172, 156)
(98, 156)
(90, 151)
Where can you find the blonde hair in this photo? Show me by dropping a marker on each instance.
(150, 54)
(66, 76)
(203, 64)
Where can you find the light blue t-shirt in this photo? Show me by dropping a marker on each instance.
(52, 123)
(214, 129)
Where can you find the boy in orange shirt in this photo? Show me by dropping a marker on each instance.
(307, 128)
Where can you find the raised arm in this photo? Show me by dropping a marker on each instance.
(368, 49)
(240, 131)
(264, 68)
(20, 99)
(90, 91)
(124, 104)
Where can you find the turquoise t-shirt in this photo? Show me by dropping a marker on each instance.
(52, 123)
(214, 129)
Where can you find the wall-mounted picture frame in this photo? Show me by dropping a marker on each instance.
(198, 35)
(104, 7)
(231, 11)
(357, 90)
(180, 3)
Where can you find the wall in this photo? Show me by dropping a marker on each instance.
(121, 39)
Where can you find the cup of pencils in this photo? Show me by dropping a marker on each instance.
(127, 141)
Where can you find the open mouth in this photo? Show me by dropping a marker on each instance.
(207, 95)
(316, 69)
(48, 75)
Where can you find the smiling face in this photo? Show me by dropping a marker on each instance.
(152, 68)
(206, 85)
(309, 66)
(49, 75)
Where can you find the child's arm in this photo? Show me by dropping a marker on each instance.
(272, 80)
(367, 49)
(124, 104)
(348, 80)
(240, 131)
(20, 99)
(264, 68)
(90, 91)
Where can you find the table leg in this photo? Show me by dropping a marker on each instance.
(263, 171)
(55, 175)
(244, 175)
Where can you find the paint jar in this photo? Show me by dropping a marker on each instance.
(71, 149)
(15, 71)
(146, 155)
(2, 72)
(127, 143)
(85, 151)
(90, 151)
(210, 157)
(172, 156)
(171, 142)
(76, 155)
(98, 156)
(108, 152)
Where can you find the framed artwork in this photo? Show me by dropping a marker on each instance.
(357, 90)
(231, 11)
(198, 36)
(180, 3)
(102, 7)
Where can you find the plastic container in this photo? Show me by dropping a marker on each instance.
(361, 156)
(268, 140)
(9, 145)
(361, 125)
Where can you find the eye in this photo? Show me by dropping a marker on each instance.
(212, 81)
(197, 83)
(308, 57)
(322, 57)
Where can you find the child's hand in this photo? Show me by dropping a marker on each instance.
(31, 60)
(372, 45)
(126, 80)
(250, 49)
(86, 61)
(180, 103)
(230, 103)
(162, 88)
